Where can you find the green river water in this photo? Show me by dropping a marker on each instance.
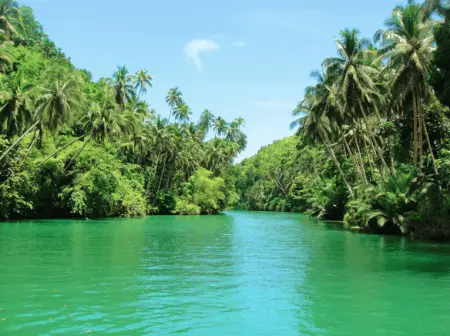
(235, 274)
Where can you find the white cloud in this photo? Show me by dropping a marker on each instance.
(276, 104)
(239, 44)
(196, 47)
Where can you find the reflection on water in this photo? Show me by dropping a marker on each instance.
(235, 274)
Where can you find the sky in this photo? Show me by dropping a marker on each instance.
(238, 58)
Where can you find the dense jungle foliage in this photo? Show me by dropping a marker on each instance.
(72, 146)
(372, 143)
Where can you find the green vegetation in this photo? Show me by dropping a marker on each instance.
(372, 143)
(72, 146)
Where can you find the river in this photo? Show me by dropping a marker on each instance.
(235, 274)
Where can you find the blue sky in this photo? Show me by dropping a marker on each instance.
(248, 58)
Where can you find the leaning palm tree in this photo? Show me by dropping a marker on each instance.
(123, 86)
(355, 80)
(174, 99)
(105, 121)
(10, 17)
(55, 107)
(408, 44)
(142, 80)
(315, 126)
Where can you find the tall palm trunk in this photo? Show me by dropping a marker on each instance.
(162, 173)
(33, 141)
(361, 173)
(59, 150)
(374, 152)
(337, 164)
(369, 155)
(420, 123)
(361, 162)
(72, 161)
(18, 140)
(433, 159)
(372, 138)
(414, 129)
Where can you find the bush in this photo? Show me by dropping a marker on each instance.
(206, 192)
(184, 208)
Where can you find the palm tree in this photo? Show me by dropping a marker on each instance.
(106, 121)
(220, 126)
(10, 17)
(442, 7)
(16, 109)
(142, 79)
(55, 106)
(123, 86)
(206, 121)
(182, 113)
(174, 99)
(216, 154)
(163, 145)
(6, 57)
(407, 43)
(355, 79)
(315, 126)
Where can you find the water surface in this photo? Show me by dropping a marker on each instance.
(235, 274)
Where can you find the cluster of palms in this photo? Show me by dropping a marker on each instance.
(59, 99)
(368, 88)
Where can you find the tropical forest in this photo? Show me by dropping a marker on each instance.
(372, 142)
(371, 147)
(74, 147)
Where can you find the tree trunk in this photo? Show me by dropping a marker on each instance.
(361, 162)
(372, 138)
(72, 161)
(33, 141)
(433, 159)
(18, 140)
(414, 129)
(338, 167)
(139, 94)
(169, 180)
(59, 150)
(361, 173)
(419, 120)
(162, 173)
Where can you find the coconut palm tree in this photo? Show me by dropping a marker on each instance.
(407, 43)
(6, 56)
(10, 17)
(16, 108)
(315, 126)
(106, 121)
(355, 80)
(174, 99)
(206, 121)
(220, 126)
(441, 7)
(142, 80)
(216, 154)
(182, 113)
(123, 86)
(55, 107)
